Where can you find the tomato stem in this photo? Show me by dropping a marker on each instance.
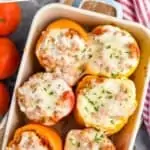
(2, 20)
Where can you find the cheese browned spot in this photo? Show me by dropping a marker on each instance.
(107, 103)
(29, 140)
(87, 139)
(45, 98)
(118, 54)
(63, 51)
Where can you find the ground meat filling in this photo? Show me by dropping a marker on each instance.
(108, 102)
(119, 52)
(63, 51)
(29, 141)
(41, 98)
(87, 139)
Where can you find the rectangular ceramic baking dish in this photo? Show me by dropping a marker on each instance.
(124, 140)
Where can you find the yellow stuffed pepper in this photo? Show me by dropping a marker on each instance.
(117, 51)
(104, 103)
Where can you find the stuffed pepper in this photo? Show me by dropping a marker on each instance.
(87, 139)
(104, 103)
(35, 137)
(62, 49)
(117, 51)
(45, 99)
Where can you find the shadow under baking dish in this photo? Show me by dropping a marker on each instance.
(124, 140)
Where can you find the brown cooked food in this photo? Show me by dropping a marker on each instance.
(99, 7)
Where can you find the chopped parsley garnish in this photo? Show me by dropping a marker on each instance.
(108, 92)
(108, 46)
(99, 97)
(114, 75)
(86, 109)
(112, 121)
(98, 138)
(127, 52)
(59, 85)
(51, 93)
(111, 55)
(83, 50)
(48, 92)
(49, 85)
(91, 102)
(116, 56)
(103, 91)
(48, 107)
(74, 142)
(45, 89)
(110, 96)
(102, 105)
(76, 57)
(96, 108)
(78, 144)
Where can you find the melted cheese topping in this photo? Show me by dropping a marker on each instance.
(106, 104)
(115, 55)
(29, 141)
(64, 52)
(40, 97)
(87, 139)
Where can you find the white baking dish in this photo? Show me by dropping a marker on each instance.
(124, 140)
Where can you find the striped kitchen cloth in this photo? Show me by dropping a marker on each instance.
(139, 11)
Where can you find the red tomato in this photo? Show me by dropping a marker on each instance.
(4, 99)
(10, 16)
(9, 58)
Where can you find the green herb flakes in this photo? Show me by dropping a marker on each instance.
(114, 75)
(98, 138)
(74, 142)
(78, 144)
(96, 108)
(112, 121)
(51, 93)
(111, 55)
(86, 109)
(108, 92)
(45, 89)
(110, 96)
(108, 46)
(102, 105)
(83, 50)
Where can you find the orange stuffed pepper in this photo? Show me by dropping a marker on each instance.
(34, 136)
(61, 49)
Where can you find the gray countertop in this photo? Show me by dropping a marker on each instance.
(20, 36)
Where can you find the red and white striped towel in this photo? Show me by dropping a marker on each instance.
(139, 11)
